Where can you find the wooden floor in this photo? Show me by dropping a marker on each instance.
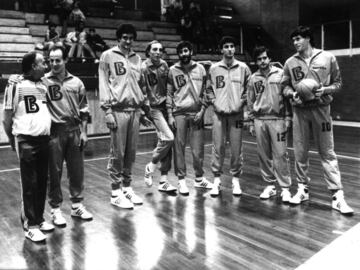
(177, 232)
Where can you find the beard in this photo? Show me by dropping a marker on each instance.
(185, 60)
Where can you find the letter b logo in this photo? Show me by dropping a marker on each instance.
(220, 82)
(54, 91)
(30, 104)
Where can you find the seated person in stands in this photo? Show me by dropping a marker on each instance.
(95, 41)
(76, 15)
(51, 36)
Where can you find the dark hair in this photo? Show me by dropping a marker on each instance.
(259, 50)
(61, 48)
(148, 47)
(226, 39)
(305, 32)
(125, 28)
(27, 61)
(182, 45)
(92, 29)
(52, 24)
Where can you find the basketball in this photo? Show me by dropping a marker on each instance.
(306, 88)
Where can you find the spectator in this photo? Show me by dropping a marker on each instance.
(76, 15)
(51, 36)
(63, 8)
(95, 41)
(186, 27)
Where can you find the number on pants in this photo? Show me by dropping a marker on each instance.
(281, 137)
(326, 126)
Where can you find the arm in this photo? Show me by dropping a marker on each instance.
(7, 124)
(335, 80)
(200, 115)
(170, 100)
(251, 97)
(209, 94)
(84, 116)
(286, 86)
(246, 83)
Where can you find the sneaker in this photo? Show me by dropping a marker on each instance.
(285, 195)
(204, 183)
(166, 187)
(121, 201)
(148, 175)
(236, 187)
(183, 189)
(215, 191)
(81, 212)
(46, 227)
(57, 217)
(268, 192)
(301, 195)
(339, 203)
(130, 195)
(35, 235)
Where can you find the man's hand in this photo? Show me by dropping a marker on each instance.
(288, 124)
(12, 143)
(252, 130)
(83, 140)
(199, 117)
(110, 121)
(145, 121)
(319, 92)
(297, 98)
(171, 122)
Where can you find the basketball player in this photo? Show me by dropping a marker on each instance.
(322, 66)
(270, 118)
(70, 113)
(155, 72)
(121, 98)
(186, 107)
(27, 123)
(226, 90)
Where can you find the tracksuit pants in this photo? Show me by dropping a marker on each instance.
(318, 120)
(272, 151)
(33, 153)
(65, 145)
(123, 144)
(162, 152)
(185, 126)
(224, 125)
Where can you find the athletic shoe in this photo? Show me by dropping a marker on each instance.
(57, 217)
(121, 201)
(183, 189)
(215, 191)
(339, 203)
(166, 187)
(81, 212)
(46, 227)
(148, 175)
(268, 192)
(35, 235)
(301, 195)
(204, 183)
(285, 195)
(130, 195)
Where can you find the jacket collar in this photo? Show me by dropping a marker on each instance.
(178, 65)
(116, 49)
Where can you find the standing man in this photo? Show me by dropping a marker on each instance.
(70, 113)
(227, 83)
(155, 72)
(186, 107)
(121, 98)
(270, 119)
(314, 114)
(27, 123)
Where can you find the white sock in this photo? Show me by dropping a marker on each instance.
(115, 192)
(163, 178)
(182, 182)
(75, 205)
(152, 167)
(236, 181)
(217, 181)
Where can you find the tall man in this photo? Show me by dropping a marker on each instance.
(121, 98)
(270, 118)
(186, 107)
(27, 123)
(226, 90)
(155, 72)
(313, 114)
(70, 113)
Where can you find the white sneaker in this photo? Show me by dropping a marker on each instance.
(268, 192)
(121, 201)
(46, 227)
(285, 195)
(130, 195)
(339, 203)
(35, 235)
(215, 191)
(204, 183)
(236, 187)
(183, 189)
(301, 195)
(81, 212)
(57, 217)
(148, 175)
(166, 187)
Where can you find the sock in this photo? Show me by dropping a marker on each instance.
(198, 178)
(217, 180)
(236, 181)
(182, 181)
(115, 192)
(75, 205)
(152, 167)
(163, 178)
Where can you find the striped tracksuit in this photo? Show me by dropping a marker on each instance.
(155, 78)
(185, 93)
(267, 111)
(314, 114)
(121, 95)
(226, 90)
(69, 109)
